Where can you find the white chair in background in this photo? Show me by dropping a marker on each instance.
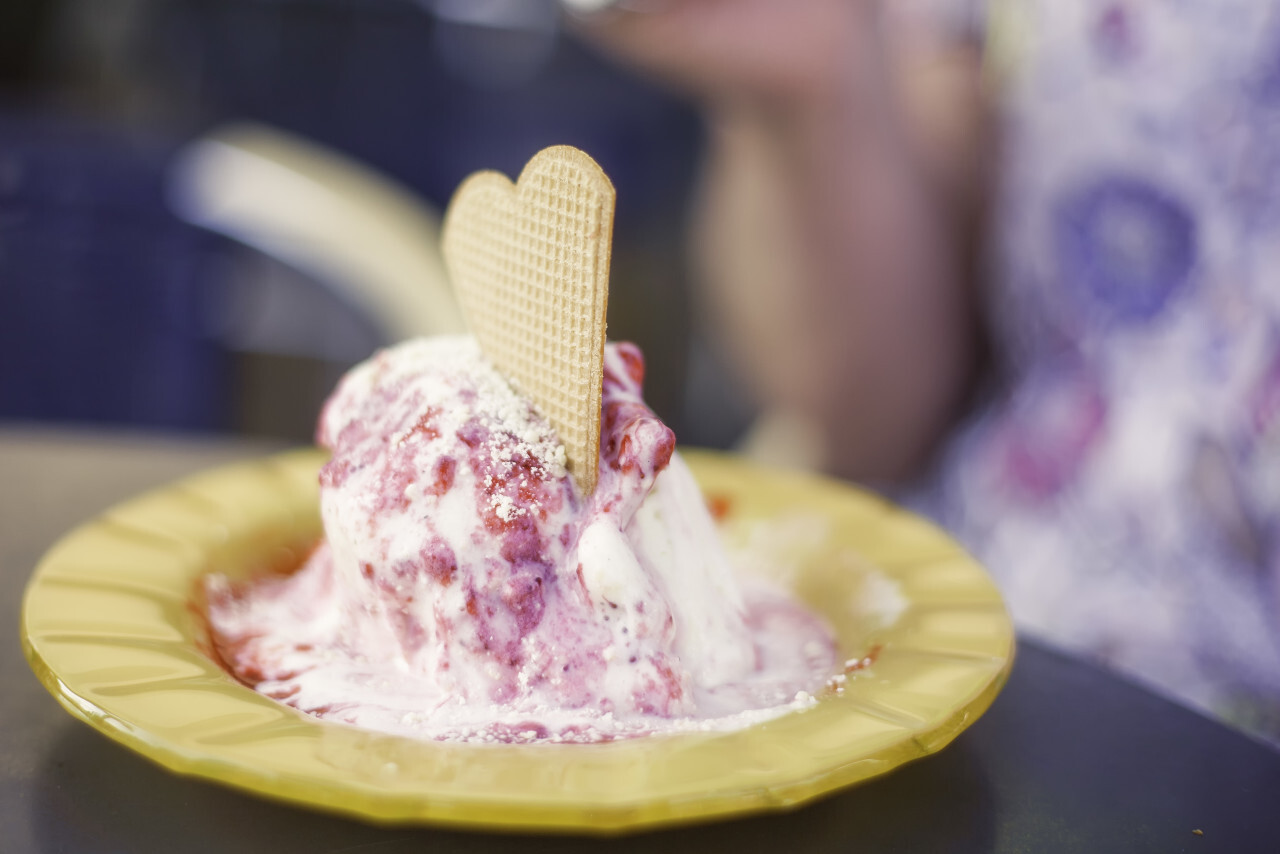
(327, 216)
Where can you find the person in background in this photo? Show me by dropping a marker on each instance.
(1093, 407)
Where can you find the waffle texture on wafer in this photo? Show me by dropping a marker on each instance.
(530, 264)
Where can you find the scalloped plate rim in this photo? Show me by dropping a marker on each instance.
(470, 810)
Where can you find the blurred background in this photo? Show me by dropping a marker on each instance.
(119, 307)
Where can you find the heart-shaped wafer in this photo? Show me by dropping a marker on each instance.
(530, 265)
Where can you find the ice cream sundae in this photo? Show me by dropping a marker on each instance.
(466, 588)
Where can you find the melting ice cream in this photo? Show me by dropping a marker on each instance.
(465, 589)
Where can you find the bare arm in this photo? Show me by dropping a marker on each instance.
(831, 214)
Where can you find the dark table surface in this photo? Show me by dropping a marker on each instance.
(1069, 758)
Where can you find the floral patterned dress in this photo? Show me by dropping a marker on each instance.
(1122, 481)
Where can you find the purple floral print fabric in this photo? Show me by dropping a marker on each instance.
(1122, 480)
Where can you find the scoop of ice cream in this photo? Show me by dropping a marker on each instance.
(464, 580)
(448, 497)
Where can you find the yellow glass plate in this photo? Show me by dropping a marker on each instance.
(109, 629)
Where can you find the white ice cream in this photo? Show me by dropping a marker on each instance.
(465, 589)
